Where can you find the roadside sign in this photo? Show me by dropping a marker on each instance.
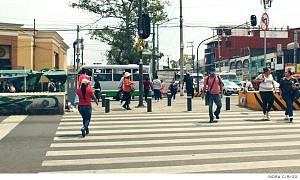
(264, 23)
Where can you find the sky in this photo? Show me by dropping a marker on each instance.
(198, 17)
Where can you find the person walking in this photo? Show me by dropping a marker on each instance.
(287, 90)
(266, 88)
(85, 93)
(82, 76)
(162, 91)
(97, 88)
(189, 85)
(156, 84)
(214, 86)
(147, 86)
(127, 88)
(173, 87)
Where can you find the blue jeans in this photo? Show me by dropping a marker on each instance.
(86, 113)
(217, 99)
(288, 98)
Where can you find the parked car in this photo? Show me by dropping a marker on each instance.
(230, 88)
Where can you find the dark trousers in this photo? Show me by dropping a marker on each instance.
(288, 98)
(97, 94)
(146, 92)
(173, 94)
(126, 98)
(214, 98)
(86, 113)
(157, 94)
(267, 98)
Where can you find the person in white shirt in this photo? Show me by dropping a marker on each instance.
(266, 88)
(156, 85)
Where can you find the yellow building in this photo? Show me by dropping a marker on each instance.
(21, 48)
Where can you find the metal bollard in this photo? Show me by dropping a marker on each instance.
(189, 103)
(169, 99)
(149, 104)
(103, 99)
(149, 94)
(107, 105)
(227, 102)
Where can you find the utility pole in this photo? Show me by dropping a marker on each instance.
(82, 47)
(295, 48)
(78, 50)
(34, 45)
(192, 46)
(267, 5)
(153, 52)
(181, 49)
(157, 48)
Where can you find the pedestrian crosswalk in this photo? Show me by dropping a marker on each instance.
(182, 142)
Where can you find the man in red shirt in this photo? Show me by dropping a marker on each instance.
(214, 92)
(85, 93)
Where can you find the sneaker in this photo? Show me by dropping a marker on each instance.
(124, 106)
(211, 121)
(128, 108)
(268, 116)
(286, 117)
(217, 116)
(82, 132)
(265, 117)
(87, 131)
(291, 118)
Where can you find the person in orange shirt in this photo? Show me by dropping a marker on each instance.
(127, 87)
(85, 93)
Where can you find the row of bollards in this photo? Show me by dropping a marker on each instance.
(106, 102)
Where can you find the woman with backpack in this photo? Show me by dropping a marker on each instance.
(266, 88)
(173, 87)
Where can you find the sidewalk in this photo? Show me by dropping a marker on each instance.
(180, 105)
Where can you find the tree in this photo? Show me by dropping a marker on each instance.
(174, 64)
(124, 13)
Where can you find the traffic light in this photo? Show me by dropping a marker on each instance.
(144, 26)
(253, 20)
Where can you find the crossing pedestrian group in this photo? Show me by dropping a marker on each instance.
(211, 93)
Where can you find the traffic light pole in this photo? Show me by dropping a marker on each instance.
(141, 104)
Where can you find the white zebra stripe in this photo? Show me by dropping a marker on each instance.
(200, 127)
(9, 124)
(168, 117)
(185, 157)
(170, 148)
(149, 142)
(246, 112)
(199, 168)
(189, 123)
(200, 133)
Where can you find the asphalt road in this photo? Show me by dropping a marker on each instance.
(24, 148)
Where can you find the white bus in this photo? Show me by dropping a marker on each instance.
(110, 75)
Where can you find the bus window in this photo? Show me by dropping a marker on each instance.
(103, 77)
(118, 74)
(135, 75)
